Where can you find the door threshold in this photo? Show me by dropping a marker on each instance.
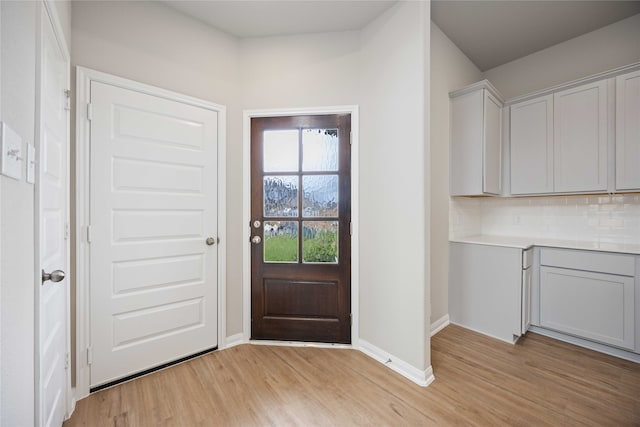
(150, 370)
(300, 344)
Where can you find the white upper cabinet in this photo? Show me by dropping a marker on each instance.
(532, 146)
(628, 132)
(580, 138)
(476, 143)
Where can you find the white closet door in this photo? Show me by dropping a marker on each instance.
(53, 221)
(153, 206)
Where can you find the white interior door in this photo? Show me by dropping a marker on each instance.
(153, 207)
(53, 247)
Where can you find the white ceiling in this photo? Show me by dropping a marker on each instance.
(245, 18)
(490, 33)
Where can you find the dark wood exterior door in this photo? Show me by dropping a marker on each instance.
(300, 228)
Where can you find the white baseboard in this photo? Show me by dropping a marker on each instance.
(234, 340)
(612, 351)
(511, 340)
(422, 378)
(439, 324)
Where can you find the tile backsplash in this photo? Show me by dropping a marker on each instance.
(601, 218)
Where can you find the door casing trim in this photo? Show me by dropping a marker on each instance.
(353, 110)
(84, 77)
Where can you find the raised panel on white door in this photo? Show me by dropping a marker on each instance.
(532, 146)
(580, 138)
(153, 205)
(628, 131)
(594, 306)
(137, 326)
(492, 149)
(466, 143)
(139, 275)
(145, 175)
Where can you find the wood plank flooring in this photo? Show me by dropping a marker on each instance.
(479, 381)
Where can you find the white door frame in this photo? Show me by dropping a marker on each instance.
(84, 77)
(245, 336)
(46, 8)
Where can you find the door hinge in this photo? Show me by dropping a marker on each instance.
(67, 101)
(350, 319)
(66, 361)
(89, 112)
(350, 229)
(88, 234)
(66, 231)
(89, 355)
(350, 137)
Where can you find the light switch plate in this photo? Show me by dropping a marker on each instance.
(31, 164)
(11, 152)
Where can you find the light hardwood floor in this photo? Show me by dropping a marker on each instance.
(479, 381)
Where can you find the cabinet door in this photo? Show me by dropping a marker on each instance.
(594, 306)
(532, 146)
(492, 155)
(628, 131)
(466, 144)
(484, 289)
(580, 138)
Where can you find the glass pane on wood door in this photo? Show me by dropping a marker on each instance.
(280, 151)
(319, 150)
(280, 196)
(280, 241)
(320, 241)
(320, 195)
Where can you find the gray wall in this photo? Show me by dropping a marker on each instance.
(17, 265)
(612, 46)
(450, 70)
(609, 47)
(380, 68)
(154, 44)
(394, 299)
(17, 269)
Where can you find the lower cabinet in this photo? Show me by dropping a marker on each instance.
(589, 295)
(567, 293)
(489, 289)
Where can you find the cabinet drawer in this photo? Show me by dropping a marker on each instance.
(589, 261)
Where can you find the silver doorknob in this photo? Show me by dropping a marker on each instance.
(55, 276)
(211, 241)
(256, 239)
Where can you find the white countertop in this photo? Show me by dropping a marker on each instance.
(527, 242)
